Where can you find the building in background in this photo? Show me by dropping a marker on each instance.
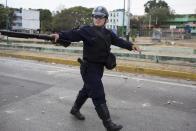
(185, 22)
(115, 21)
(26, 21)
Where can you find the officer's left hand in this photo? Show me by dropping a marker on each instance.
(55, 36)
(136, 48)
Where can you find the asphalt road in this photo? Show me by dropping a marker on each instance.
(36, 96)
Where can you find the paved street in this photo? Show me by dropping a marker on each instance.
(36, 96)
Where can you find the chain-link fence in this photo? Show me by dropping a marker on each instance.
(165, 34)
(174, 34)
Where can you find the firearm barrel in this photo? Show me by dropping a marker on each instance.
(64, 43)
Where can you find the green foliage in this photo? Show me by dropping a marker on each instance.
(71, 18)
(159, 11)
(64, 20)
(45, 20)
(154, 4)
(136, 23)
(159, 15)
(5, 16)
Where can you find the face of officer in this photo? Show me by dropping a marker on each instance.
(99, 21)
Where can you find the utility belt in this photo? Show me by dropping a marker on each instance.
(109, 64)
(84, 65)
(86, 62)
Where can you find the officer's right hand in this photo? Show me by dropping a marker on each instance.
(55, 36)
(136, 48)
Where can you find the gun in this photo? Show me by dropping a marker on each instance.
(64, 43)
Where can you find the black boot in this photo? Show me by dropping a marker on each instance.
(104, 114)
(76, 112)
(80, 100)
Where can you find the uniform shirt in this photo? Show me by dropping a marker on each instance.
(94, 47)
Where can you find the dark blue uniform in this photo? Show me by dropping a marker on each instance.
(94, 56)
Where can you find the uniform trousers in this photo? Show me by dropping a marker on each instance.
(92, 74)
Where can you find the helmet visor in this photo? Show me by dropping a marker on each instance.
(98, 16)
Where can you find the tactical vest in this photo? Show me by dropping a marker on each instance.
(94, 49)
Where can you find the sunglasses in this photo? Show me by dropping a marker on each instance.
(98, 17)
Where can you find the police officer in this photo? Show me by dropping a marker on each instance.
(95, 54)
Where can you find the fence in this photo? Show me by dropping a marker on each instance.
(174, 34)
(166, 34)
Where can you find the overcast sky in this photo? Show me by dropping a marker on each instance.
(137, 6)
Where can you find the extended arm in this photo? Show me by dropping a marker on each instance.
(71, 35)
(123, 44)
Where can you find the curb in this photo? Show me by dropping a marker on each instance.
(41, 58)
(147, 57)
(119, 68)
(157, 72)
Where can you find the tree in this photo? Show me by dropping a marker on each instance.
(154, 4)
(159, 15)
(45, 20)
(158, 11)
(6, 17)
(3, 16)
(71, 18)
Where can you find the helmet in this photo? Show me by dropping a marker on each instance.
(100, 11)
